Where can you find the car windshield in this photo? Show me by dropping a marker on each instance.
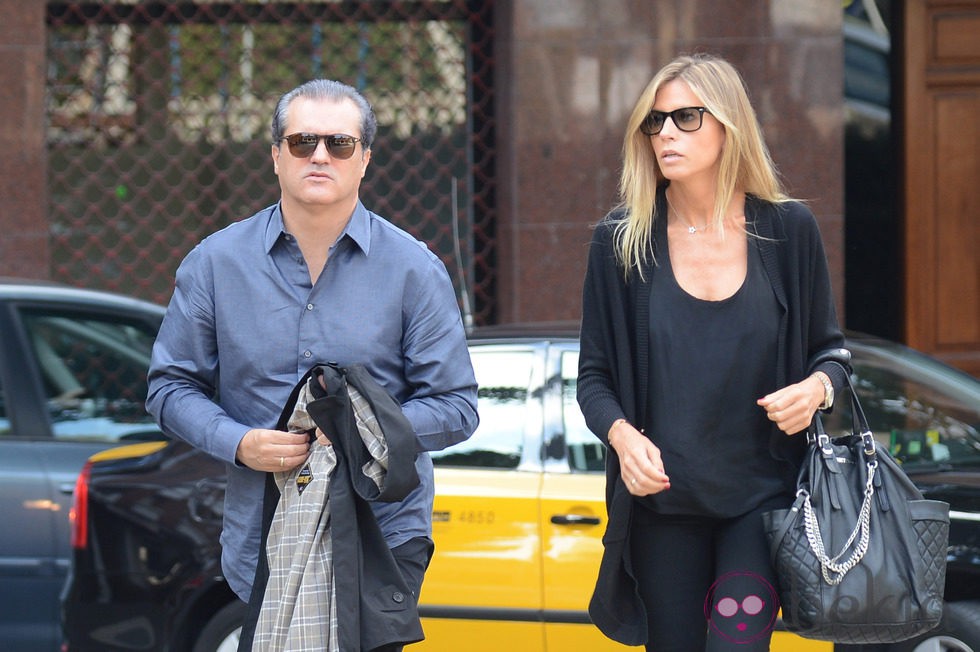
(926, 413)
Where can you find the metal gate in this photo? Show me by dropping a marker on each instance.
(158, 126)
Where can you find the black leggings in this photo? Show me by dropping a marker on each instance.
(707, 583)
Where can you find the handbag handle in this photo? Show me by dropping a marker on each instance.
(859, 422)
(832, 568)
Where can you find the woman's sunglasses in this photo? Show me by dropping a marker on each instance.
(340, 146)
(688, 118)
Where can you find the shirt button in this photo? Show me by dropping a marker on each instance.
(309, 306)
(398, 597)
(307, 354)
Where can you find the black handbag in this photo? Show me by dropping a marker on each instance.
(860, 557)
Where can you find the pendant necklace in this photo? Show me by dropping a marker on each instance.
(690, 227)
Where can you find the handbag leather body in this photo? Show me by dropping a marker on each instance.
(860, 556)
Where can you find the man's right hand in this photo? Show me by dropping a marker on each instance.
(273, 450)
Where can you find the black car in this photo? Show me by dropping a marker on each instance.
(72, 383)
(146, 572)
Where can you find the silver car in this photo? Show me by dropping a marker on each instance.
(72, 383)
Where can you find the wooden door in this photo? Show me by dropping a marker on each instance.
(941, 132)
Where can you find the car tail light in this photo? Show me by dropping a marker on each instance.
(78, 515)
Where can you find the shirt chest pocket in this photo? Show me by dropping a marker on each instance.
(264, 345)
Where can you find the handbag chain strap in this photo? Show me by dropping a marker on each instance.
(832, 569)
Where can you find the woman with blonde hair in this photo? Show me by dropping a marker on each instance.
(708, 330)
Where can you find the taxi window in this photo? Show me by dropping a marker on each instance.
(93, 369)
(585, 451)
(503, 377)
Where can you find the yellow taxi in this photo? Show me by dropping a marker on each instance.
(518, 516)
(519, 513)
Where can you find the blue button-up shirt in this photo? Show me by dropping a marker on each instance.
(245, 323)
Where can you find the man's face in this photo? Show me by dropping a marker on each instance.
(321, 180)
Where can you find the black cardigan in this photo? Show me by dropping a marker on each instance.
(613, 367)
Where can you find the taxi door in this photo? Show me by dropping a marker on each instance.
(482, 590)
(573, 512)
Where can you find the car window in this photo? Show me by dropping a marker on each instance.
(925, 413)
(93, 369)
(503, 377)
(585, 451)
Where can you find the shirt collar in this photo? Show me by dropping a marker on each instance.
(274, 228)
(358, 228)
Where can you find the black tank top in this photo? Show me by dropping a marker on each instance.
(710, 361)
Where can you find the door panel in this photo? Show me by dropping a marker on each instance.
(451, 635)
(941, 69)
(958, 210)
(30, 573)
(484, 583)
(487, 545)
(572, 548)
(573, 518)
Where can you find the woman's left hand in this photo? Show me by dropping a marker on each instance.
(792, 407)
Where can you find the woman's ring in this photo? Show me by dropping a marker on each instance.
(282, 462)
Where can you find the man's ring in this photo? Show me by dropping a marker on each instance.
(282, 462)
(632, 480)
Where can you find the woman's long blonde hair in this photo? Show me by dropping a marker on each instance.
(745, 161)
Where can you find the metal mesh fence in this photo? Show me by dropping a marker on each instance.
(158, 126)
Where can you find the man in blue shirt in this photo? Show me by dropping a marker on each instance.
(314, 278)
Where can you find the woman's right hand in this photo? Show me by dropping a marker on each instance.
(640, 464)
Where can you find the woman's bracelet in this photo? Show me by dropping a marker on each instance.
(613, 426)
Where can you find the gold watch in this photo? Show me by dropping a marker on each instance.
(828, 390)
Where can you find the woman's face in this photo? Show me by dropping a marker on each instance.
(686, 155)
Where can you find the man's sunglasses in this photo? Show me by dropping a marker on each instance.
(340, 146)
(688, 118)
